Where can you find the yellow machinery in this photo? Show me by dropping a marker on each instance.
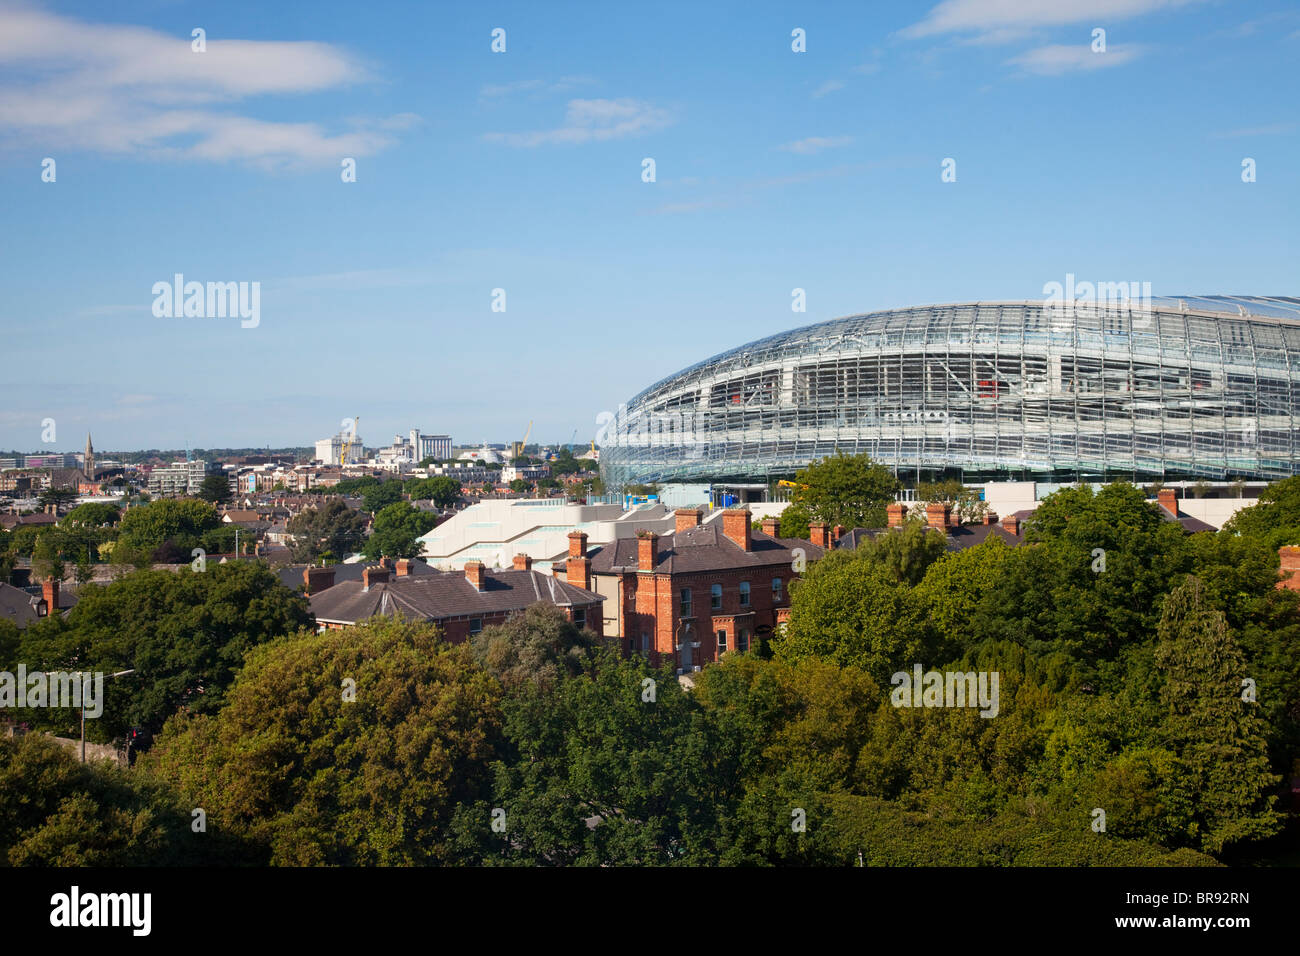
(520, 446)
(347, 443)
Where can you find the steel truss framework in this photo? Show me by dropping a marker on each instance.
(1194, 387)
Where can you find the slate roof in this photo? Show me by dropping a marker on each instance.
(958, 538)
(17, 606)
(1190, 525)
(439, 595)
(702, 548)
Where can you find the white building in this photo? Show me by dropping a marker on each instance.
(178, 478)
(329, 451)
(494, 531)
(527, 472)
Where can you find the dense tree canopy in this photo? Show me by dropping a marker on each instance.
(848, 490)
(397, 531)
(332, 527)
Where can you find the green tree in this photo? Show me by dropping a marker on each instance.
(93, 514)
(908, 551)
(179, 522)
(397, 531)
(1275, 519)
(331, 526)
(848, 490)
(853, 610)
(350, 747)
(183, 633)
(1218, 738)
(539, 646)
(215, 489)
(93, 814)
(520, 487)
(443, 490)
(380, 495)
(795, 521)
(58, 497)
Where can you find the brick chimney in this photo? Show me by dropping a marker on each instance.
(1011, 524)
(838, 532)
(1289, 558)
(577, 544)
(475, 574)
(1168, 498)
(385, 563)
(647, 550)
(577, 571)
(404, 566)
(376, 575)
(937, 514)
(686, 518)
(772, 526)
(990, 517)
(737, 525)
(818, 534)
(317, 579)
(896, 512)
(523, 562)
(50, 591)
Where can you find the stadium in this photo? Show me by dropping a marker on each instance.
(1198, 387)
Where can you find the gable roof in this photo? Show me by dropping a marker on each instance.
(18, 606)
(703, 548)
(439, 595)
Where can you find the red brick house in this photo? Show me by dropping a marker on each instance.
(460, 604)
(697, 593)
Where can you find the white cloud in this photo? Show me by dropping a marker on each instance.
(563, 85)
(830, 86)
(1009, 19)
(1058, 58)
(587, 121)
(815, 144)
(125, 89)
(1270, 129)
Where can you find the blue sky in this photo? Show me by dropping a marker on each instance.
(522, 171)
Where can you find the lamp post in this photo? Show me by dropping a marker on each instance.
(82, 675)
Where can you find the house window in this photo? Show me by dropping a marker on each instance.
(722, 642)
(580, 617)
(744, 594)
(686, 602)
(742, 639)
(475, 625)
(777, 587)
(645, 642)
(715, 597)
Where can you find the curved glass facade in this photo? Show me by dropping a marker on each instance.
(1203, 387)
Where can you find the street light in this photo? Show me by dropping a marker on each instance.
(82, 675)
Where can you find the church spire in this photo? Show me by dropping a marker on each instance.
(89, 463)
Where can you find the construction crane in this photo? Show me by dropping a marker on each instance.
(520, 446)
(347, 442)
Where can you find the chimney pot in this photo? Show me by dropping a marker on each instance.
(990, 517)
(475, 574)
(375, 575)
(819, 535)
(1011, 525)
(896, 513)
(577, 571)
(523, 562)
(404, 568)
(772, 526)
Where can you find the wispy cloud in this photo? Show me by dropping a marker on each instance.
(588, 121)
(1059, 58)
(830, 86)
(124, 89)
(564, 84)
(1006, 20)
(1271, 129)
(815, 144)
